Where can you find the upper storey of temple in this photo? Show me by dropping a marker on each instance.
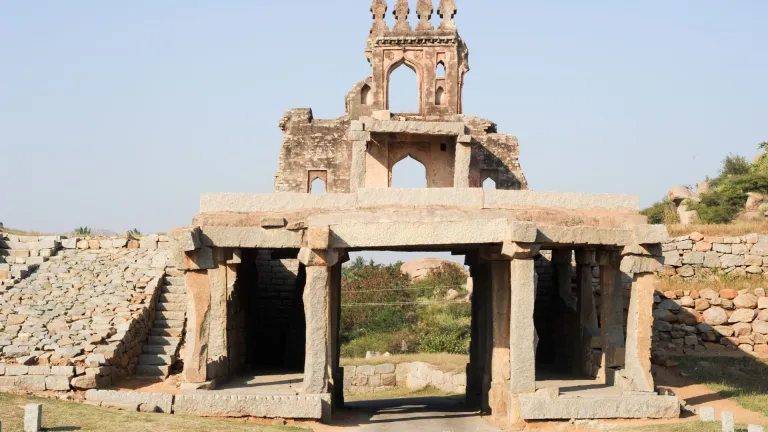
(438, 56)
(360, 149)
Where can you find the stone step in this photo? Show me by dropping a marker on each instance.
(166, 332)
(173, 289)
(174, 272)
(173, 298)
(159, 349)
(152, 371)
(155, 360)
(174, 281)
(163, 340)
(168, 324)
(169, 315)
(178, 307)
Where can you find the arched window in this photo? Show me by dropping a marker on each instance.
(366, 97)
(439, 96)
(440, 72)
(489, 183)
(409, 174)
(404, 90)
(317, 186)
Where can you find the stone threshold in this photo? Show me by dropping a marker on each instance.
(599, 407)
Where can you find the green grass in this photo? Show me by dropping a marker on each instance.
(60, 415)
(742, 380)
(400, 393)
(685, 427)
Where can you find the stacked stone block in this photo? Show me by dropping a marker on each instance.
(690, 320)
(699, 255)
(21, 255)
(415, 376)
(79, 321)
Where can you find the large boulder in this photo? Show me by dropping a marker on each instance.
(715, 316)
(754, 200)
(703, 187)
(680, 193)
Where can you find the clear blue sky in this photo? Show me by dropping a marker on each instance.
(119, 114)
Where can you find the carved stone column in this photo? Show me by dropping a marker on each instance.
(588, 326)
(611, 313)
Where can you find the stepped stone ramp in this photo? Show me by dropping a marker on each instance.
(82, 303)
(162, 347)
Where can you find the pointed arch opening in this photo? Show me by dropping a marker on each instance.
(366, 96)
(439, 96)
(403, 91)
(408, 173)
(317, 186)
(489, 184)
(440, 72)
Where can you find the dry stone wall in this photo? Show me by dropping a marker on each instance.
(698, 255)
(79, 320)
(698, 321)
(21, 255)
(415, 376)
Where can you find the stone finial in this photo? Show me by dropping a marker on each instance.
(424, 11)
(401, 12)
(379, 11)
(447, 10)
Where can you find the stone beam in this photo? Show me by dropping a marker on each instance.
(251, 237)
(415, 127)
(582, 235)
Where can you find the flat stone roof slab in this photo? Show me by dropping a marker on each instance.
(438, 197)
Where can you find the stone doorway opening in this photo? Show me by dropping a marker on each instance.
(267, 330)
(404, 335)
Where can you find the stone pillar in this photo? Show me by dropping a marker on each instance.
(316, 308)
(336, 372)
(198, 316)
(585, 259)
(359, 150)
(462, 161)
(500, 357)
(637, 360)
(478, 370)
(611, 314)
(218, 358)
(522, 346)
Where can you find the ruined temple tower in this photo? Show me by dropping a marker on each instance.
(263, 271)
(358, 150)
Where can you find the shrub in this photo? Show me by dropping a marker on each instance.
(440, 280)
(445, 328)
(384, 286)
(662, 212)
(734, 165)
(721, 205)
(83, 230)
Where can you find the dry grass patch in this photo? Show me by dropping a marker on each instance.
(685, 427)
(455, 363)
(716, 230)
(60, 415)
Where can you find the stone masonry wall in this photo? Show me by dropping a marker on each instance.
(698, 255)
(415, 376)
(698, 321)
(80, 319)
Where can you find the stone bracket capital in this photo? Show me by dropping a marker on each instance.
(607, 257)
(586, 256)
(517, 250)
(317, 237)
(315, 258)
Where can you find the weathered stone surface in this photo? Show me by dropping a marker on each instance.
(301, 407)
(745, 301)
(57, 383)
(195, 359)
(651, 406)
(743, 316)
(162, 401)
(33, 417)
(715, 316)
(317, 356)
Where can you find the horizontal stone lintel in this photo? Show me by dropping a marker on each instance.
(472, 198)
(413, 233)
(628, 407)
(415, 127)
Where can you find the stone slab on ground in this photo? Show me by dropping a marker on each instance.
(164, 402)
(629, 407)
(33, 417)
(218, 405)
